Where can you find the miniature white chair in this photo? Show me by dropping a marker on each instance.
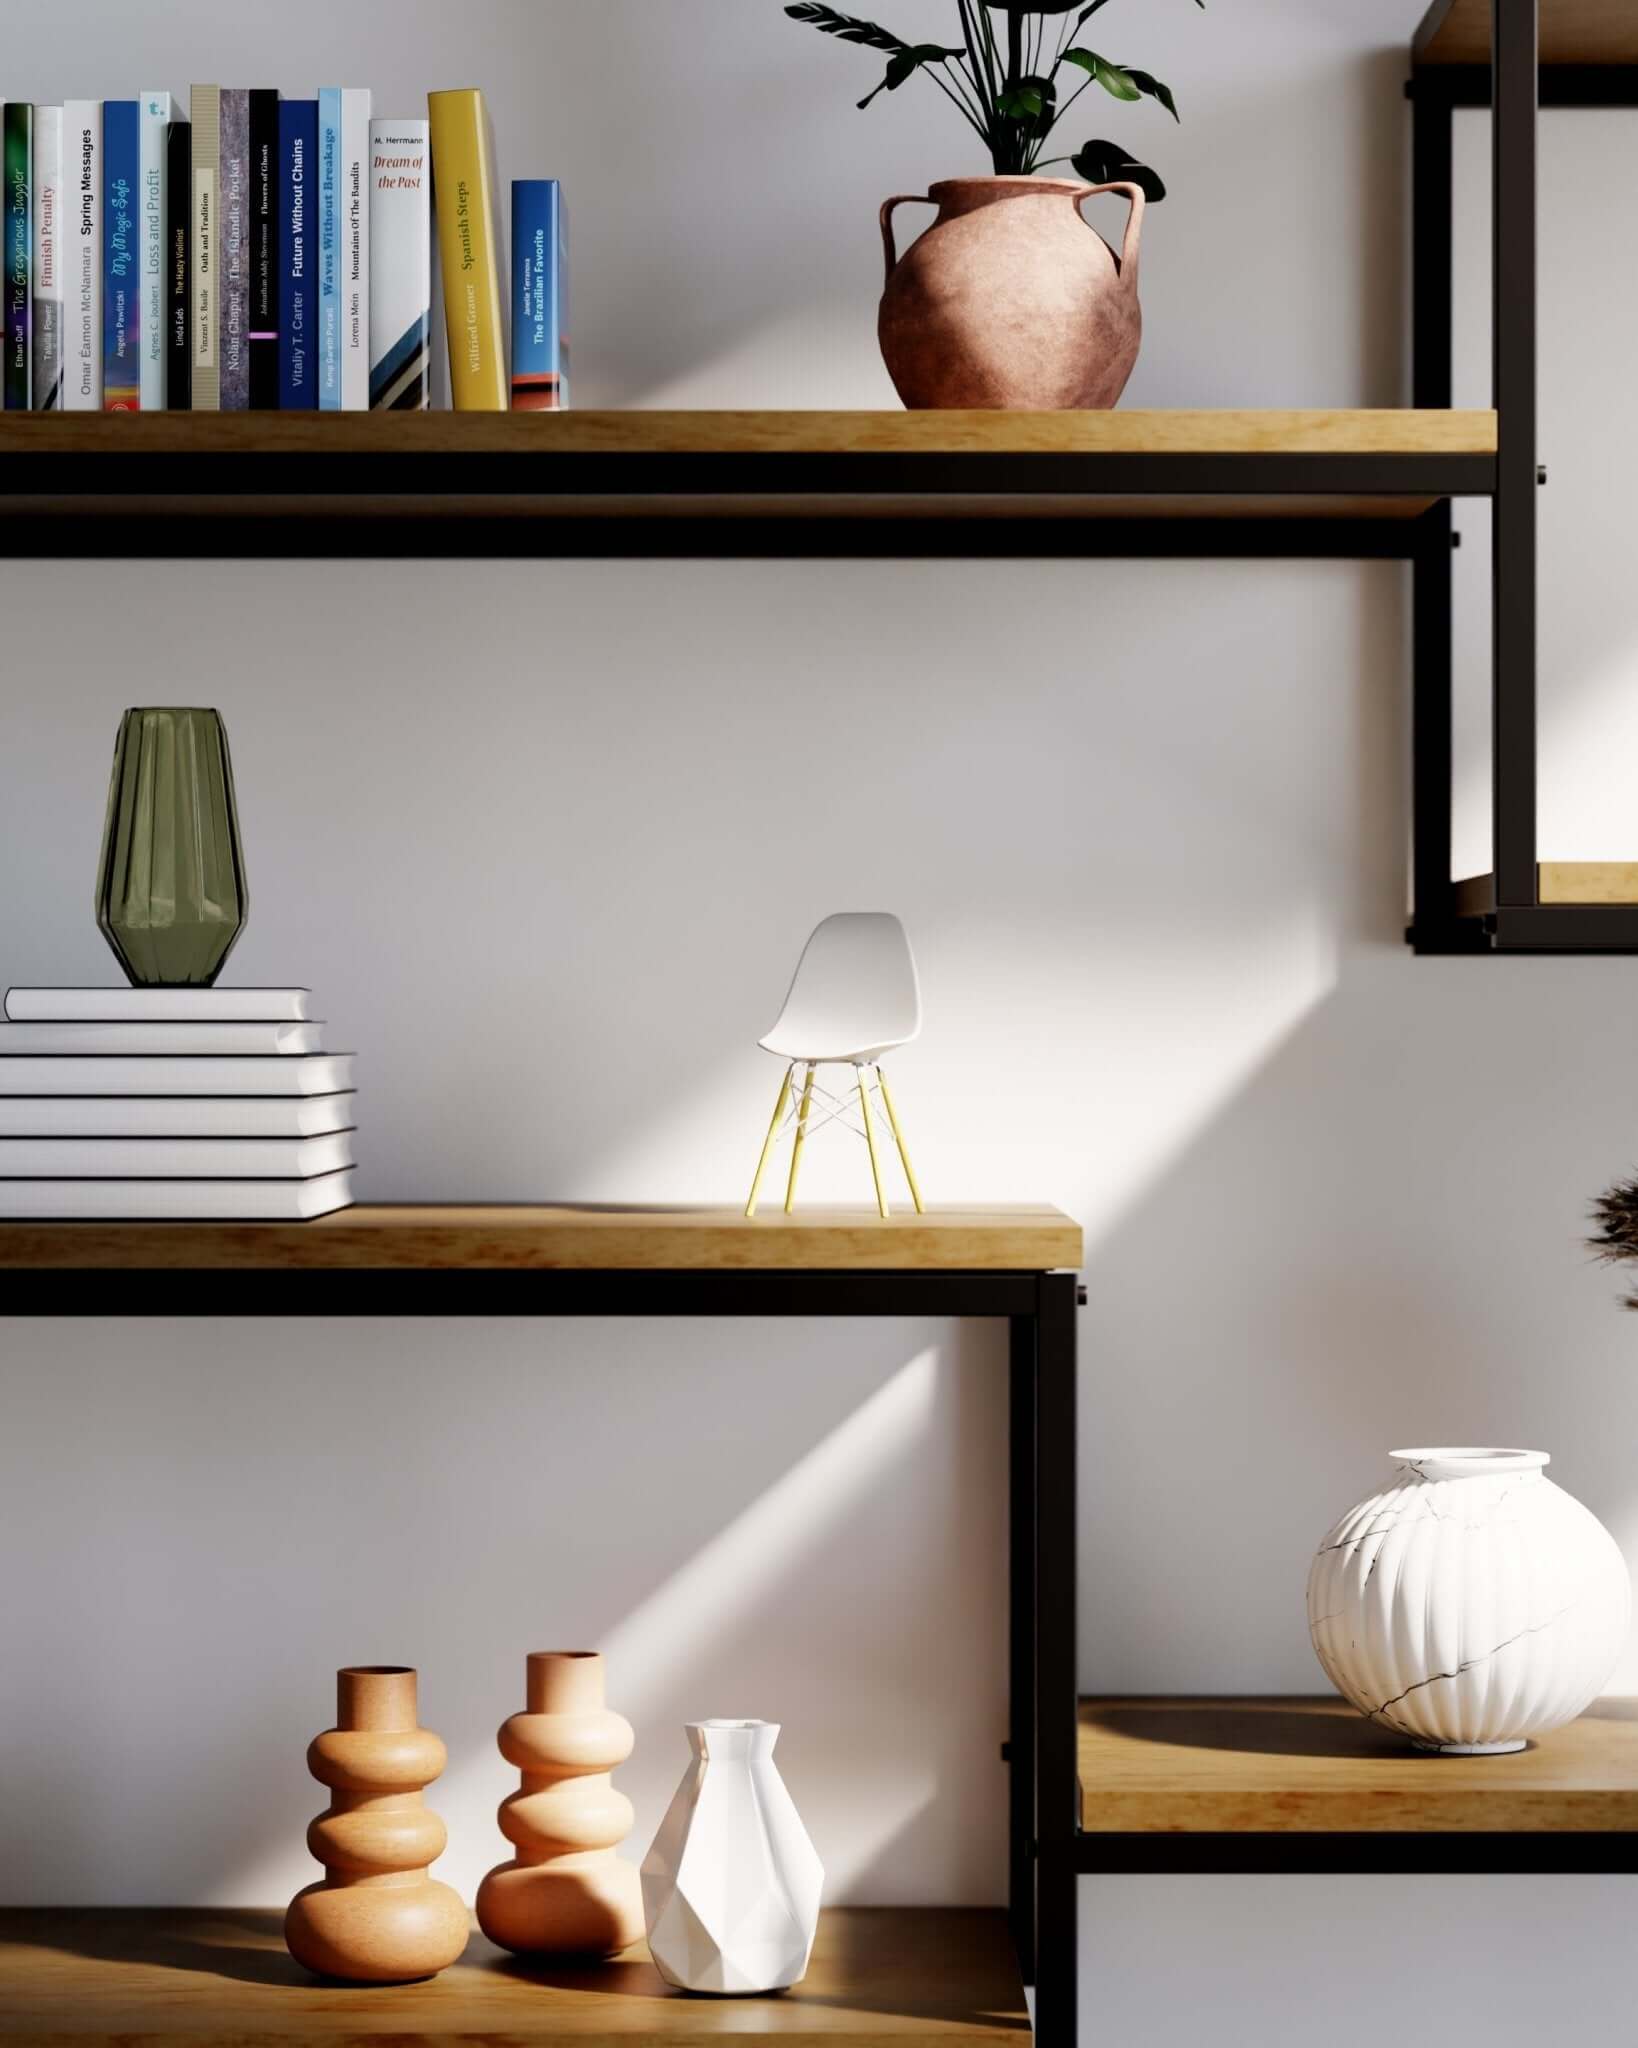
(854, 997)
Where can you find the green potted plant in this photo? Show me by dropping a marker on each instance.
(1010, 300)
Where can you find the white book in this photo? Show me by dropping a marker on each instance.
(174, 1158)
(48, 257)
(175, 1116)
(158, 1005)
(266, 1040)
(355, 249)
(155, 112)
(400, 267)
(155, 1074)
(82, 266)
(176, 1201)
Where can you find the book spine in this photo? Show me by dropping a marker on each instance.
(206, 107)
(355, 250)
(329, 249)
(154, 120)
(48, 259)
(540, 355)
(121, 257)
(264, 251)
(298, 275)
(463, 176)
(17, 212)
(400, 267)
(233, 297)
(82, 252)
(178, 283)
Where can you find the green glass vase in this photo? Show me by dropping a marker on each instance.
(171, 894)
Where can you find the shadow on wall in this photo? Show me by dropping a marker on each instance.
(786, 1528)
(1363, 1249)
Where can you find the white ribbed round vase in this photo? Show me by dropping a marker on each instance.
(1470, 1606)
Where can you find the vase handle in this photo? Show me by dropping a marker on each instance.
(1134, 226)
(904, 199)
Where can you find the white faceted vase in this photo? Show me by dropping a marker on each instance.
(731, 1886)
(1472, 1605)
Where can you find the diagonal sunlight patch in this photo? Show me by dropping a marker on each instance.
(674, 1647)
(702, 1634)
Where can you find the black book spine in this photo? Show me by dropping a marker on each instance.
(264, 251)
(178, 296)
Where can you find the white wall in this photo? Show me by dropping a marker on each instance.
(546, 840)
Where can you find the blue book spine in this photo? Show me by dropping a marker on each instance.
(298, 252)
(329, 249)
(121, 257)
(540, 296)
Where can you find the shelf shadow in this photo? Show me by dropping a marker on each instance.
(1262, 1731)
(247, 1947)
(933, 1970)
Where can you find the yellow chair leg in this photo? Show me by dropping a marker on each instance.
(898, 1139)
(801, 1137)
(773, 1132)
(870, 1140)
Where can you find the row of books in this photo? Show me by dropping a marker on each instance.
(171, 1104)
(270, 254)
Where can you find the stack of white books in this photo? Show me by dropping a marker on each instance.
(177, 1103)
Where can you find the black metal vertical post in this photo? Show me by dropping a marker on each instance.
(1432, 722)
(1513, 731)
(1433, 201)
(1433, 204)
(1022, 1597)
(1057, 1773)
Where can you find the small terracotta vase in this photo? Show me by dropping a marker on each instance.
(1010, 301)
(565, 1892)
(376, 1917)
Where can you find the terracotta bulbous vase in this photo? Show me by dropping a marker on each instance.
(376, 1917)
(1011, 301)
(565, 1892)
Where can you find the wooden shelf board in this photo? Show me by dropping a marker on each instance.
(1558, 881)
(1021, 1239)
(108, 484)
(180, 1979)
(1157, 1766)
(1572, 32)
(542, 435)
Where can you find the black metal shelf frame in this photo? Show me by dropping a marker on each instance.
(1039, 1309)
(1512, 86)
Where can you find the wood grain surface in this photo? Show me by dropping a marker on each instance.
(1022, 1239)
(1572, 32)
(1315, 1765)
(1379, 432)
(1558, 881)
(180, 1979)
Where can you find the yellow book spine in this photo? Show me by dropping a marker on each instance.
(463, 184)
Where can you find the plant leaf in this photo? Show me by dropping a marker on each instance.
(906, 64)
(847, 26)
(1146, 81)
(1028, 99)
(1022, 103)
(1115, 81)
(1112, 77)
(1106, 163)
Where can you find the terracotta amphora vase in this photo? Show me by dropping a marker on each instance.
(376, 1917)
(1011, 301)
(565, 1892)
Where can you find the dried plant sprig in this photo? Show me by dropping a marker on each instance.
(1615, 1236)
